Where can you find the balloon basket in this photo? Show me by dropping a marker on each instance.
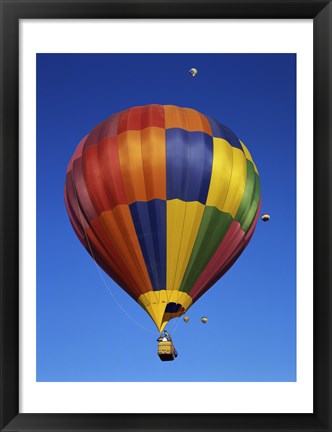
(166, 351)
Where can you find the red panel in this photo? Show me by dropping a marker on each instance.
(103, 176)
(153, 115)
(238, 251)
(139, 118)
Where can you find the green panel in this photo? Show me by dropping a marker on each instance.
(212, 230)
(250, 200)
(248, 193)
(250, 215)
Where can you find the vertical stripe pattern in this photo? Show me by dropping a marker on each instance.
(165, 199)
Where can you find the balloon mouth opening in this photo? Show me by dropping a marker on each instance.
(162, 306)
(172, 310)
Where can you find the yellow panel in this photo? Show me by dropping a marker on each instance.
(183, 221)
(221, 173)
(156, 312)
(248, 155)
(185, 300)
(175, 212)
(237, 184)
(156, 309)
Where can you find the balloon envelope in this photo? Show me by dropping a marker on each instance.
(265, 217)
(164, 199)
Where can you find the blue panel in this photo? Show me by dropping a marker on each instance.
(150, 223)
(221, 131)
(189, 158)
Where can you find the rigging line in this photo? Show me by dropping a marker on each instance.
(172, 326)
(98, 268)
(176, 325)
(173, 323)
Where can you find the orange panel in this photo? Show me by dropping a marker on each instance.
(121, 231)
(175, 117)
(142, 157)
(154, 162)
(130, 155)
(198, 122)
(109, 259)
(186, 118)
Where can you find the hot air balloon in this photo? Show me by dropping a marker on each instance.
(265, 217)
(164, 199)
(186, 319)
(204, 320)
(193, 72)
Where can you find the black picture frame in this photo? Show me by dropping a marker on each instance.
(14, 10)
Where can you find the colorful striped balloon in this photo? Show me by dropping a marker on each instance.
(165, 199)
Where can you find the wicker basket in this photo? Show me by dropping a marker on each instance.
(166, 351)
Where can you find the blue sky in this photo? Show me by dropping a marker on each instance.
(82, 334)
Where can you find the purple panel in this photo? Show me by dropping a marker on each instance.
(74, 221)
(107, 128)
(82, 194)
(73, 204)
(77, 154)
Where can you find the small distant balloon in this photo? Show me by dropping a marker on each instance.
(265, 217)
(186, 319)
(193, 72)
(204, 320)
